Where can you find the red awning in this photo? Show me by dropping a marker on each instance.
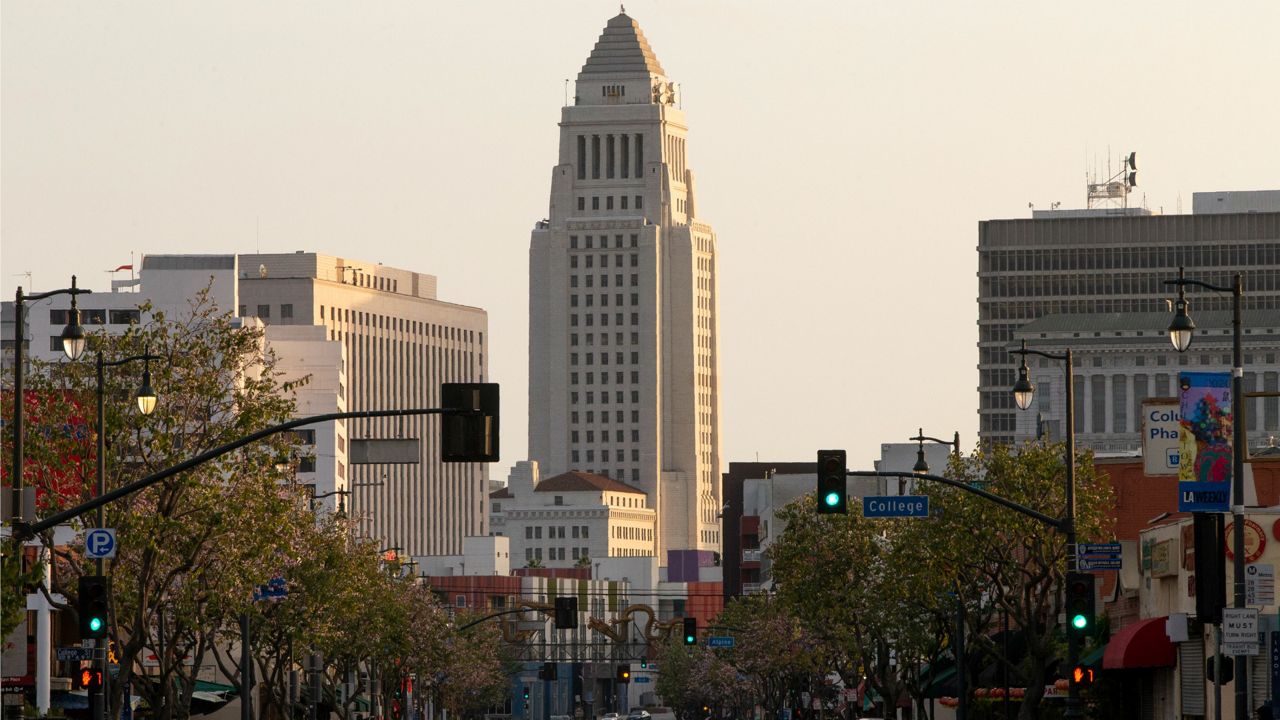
(1143, 644)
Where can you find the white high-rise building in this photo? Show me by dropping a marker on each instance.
(365, 336)
(624, 359)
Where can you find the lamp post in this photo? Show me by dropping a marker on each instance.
(1024, 392)
(73, 341)
(146, 399)
(1181, 330)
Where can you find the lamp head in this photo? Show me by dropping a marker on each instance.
(146, 395)
(1024, 392)
(73, 336)
(1182, 327)
(922, 465)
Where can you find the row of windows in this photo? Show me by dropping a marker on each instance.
(604, 435)
(386, 322)
(264, 312)
(534, 532)
(619, 474)
(590, 378)
(631, 533)
(589, 240)
(604, 339)
(603, 397)
(589, 280)
(604, 358)
(589, 260)
(1152, 284)
(96, 317)
(1168, 257)
(604, 454)
(604, 417)
(590, 299)
(588, 319)
(623, 201)
(623, 155)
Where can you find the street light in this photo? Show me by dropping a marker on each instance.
(1181, 330)
(922, 465)
(1024, 394)
(73, 341)
(146, 398)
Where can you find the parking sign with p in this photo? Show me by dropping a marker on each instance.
(100, 543)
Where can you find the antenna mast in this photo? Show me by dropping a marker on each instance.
(1115, 191)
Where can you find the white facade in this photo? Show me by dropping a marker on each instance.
(401, 342)
(623, 332)
(570, 520)
(366, 337)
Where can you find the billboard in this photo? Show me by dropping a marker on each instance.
(1161, 426)
(1204, 442)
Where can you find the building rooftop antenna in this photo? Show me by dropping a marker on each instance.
(1115, 190)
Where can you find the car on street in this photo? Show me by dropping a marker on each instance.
(638, 715)
(609, 716)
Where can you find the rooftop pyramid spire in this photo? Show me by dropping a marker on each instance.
(622, 48)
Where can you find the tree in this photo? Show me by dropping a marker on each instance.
(191, 547)
(1017, 561)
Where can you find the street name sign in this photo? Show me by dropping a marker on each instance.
(887, 506)
(1098, 556)
(74, 654)
(100, 543)
(642, 679)
(720, 641)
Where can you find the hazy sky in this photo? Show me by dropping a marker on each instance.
(844, 152)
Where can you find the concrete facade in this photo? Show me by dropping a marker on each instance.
(623, 332)
(364, 336)
(1103, 263)
(559, 522)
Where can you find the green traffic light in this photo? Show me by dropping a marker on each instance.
(95, 624)
(831, 499)
(688, 640)
(1079, 622)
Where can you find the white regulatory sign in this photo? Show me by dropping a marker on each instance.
(1239, 626)
(100, 543)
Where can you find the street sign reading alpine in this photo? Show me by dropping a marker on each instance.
(886, 506)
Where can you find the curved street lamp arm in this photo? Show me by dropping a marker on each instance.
(25, 531)
(135, 358)
(1051, 356)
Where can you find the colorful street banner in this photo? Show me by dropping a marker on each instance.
(1204, 442)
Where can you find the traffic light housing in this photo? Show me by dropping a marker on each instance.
(1082, 675)
(644, 663)
(566, 613)
(833, 497)
(690, 631)
(624, 674)
(526, 693)
(1228, 668)
(1080, 604)
(93, 603)
(471, 433)
(549, 671)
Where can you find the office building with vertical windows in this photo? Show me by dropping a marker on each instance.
(623, 290)
(1100, 275)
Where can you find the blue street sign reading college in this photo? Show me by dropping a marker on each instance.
(886, 506)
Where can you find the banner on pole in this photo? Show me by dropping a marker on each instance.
(1204, 442)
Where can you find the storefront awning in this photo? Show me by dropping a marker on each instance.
(1143, 644)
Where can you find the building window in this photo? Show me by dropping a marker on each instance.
(595, 204)
(286, 312)
(497, 507)
(608, 202)
(624, 202)
(264, 311)
(639, 202)
(559, 500)
(528, 532)
(537, 532)
(124, 317)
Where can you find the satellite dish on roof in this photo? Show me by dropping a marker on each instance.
(262, 271)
